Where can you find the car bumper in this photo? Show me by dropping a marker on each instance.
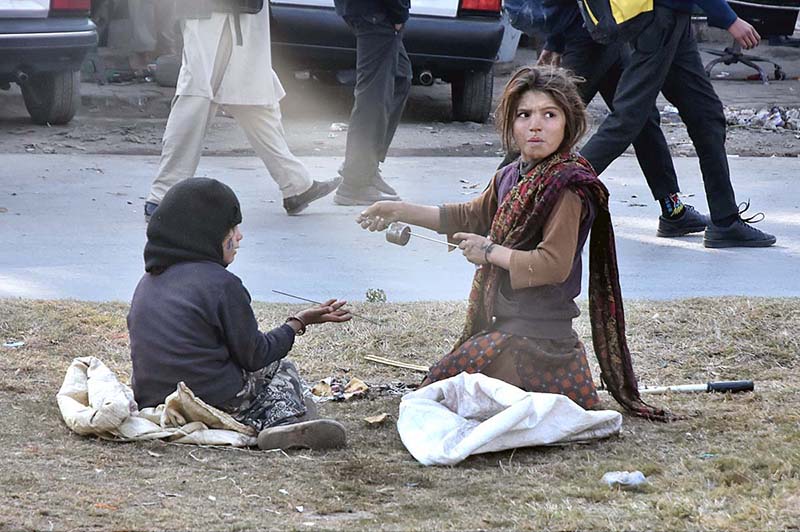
(44, 45)
(316, 38)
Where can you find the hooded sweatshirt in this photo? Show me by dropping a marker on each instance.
(190, 319)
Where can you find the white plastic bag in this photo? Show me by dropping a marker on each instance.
(449, 420)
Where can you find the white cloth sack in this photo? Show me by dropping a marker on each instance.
(94, 403)
(445, 422)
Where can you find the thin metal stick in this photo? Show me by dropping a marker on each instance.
(318, 303)
(433, 240)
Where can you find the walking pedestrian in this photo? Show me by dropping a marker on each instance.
(383, 80)
(227, 61)
(569, 45)
(665, 58)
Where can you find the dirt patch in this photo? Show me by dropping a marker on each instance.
(731, 464)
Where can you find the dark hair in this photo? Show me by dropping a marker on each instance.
(559, 84)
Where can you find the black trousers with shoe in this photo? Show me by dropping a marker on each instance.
(602, 66)
(383, 80)
(665, 58)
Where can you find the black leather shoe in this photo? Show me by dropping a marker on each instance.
(739, 234)
(319, 189)
(382, 185)
(149, 209)
(363, 195)
(691, 222)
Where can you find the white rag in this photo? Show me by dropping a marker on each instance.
(449, 420)
(93, 402)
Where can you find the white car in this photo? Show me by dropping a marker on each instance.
(457, 41)
(42, 46)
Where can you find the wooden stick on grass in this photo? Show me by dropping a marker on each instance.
(396, 363)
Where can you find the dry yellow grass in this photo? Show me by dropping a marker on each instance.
(732, 464)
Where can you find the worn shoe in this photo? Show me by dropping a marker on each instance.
(364, 195)
(316, 434)
(382, 185)
(319, 189)
(691, 222)
(739, 234)
(149, 209)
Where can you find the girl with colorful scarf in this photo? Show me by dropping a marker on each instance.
(526, 233)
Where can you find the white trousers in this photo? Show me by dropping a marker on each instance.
(183, 143)
(190, 118)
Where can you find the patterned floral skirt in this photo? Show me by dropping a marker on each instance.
(270, 396)
(532, 364)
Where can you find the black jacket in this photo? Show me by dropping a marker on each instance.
(194, 323)
(396, 11)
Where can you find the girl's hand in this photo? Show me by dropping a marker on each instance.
(378, 216)
(331, 310)
(473, 247)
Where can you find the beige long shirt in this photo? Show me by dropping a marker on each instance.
(247, 76)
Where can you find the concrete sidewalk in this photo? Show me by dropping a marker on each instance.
(72, 227)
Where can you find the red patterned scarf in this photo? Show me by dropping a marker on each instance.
(519, 219)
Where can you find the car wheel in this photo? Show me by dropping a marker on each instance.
(52, 97)
(472, 96)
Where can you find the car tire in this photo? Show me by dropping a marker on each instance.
(52, 97)
(472, 95)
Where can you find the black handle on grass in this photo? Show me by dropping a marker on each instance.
(731, 386)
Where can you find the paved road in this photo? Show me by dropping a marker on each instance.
(72, 227)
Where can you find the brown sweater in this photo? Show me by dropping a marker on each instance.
(550, 262)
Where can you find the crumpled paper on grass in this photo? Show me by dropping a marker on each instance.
(334, 389)
(93, 402)
(449, 420)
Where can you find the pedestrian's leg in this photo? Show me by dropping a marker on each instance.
(377, 45)
(187, 124)
(650, 146)
(263, 127)
(689, 89)
(182, 145)
(589, 60)
(167, 26)
(142, 16)
(395, 107)
(602, 67)
(638, 88)
(402, 86)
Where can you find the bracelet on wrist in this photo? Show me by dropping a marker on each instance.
(302, 330)
(486, 252)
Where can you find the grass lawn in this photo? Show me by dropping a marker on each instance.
(732, 463)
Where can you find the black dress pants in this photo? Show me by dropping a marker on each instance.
(383, 80)
(602, 66)
(665, 58)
